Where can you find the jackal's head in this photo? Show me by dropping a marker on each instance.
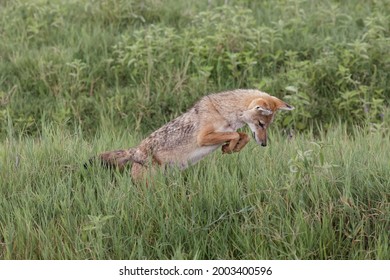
(260, 114)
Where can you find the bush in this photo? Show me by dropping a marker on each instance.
(81, 63)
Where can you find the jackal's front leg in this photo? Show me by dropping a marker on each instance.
(236, 144)
(233, 141)
(217, 138)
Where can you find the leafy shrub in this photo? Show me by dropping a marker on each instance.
(130, 63)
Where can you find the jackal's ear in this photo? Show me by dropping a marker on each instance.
(281, 105)
(262, 106)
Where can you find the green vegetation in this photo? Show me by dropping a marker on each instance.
(139, 63)
(81, 77)
(305, 198)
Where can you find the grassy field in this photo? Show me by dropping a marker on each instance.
(81, 77)
(139, 63)
(302, 198)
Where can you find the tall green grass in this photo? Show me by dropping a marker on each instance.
(324, 197)
(138, 63)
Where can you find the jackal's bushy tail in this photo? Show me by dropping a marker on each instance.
(114, 159)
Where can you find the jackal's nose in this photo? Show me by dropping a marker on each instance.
(263, 144)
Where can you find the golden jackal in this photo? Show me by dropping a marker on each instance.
(212, 122)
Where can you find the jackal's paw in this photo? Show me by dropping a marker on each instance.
(226, 149)
(244, 139)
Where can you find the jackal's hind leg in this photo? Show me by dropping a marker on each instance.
(143, 173)
(235, 146)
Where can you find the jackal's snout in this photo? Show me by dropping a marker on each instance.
(261, 137)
